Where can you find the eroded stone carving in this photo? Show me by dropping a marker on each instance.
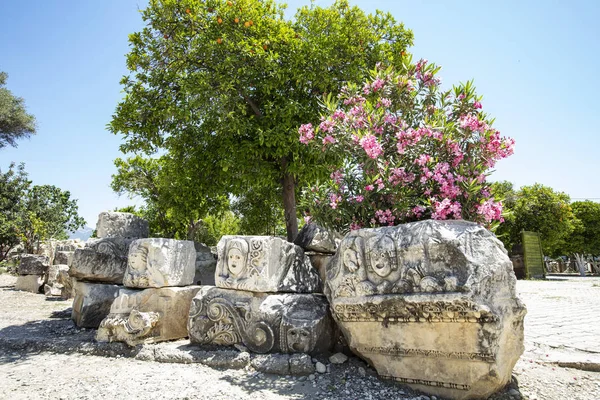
(118, 224)
(264, 264)
(286, 323)
(92, 302)
(53, 286)
(435, 296)
(101, 260)
(148, 316)
(33, 264)
(159, 262)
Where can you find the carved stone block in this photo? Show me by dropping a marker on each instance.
(431, 304)
(159, 262)
(264, 323)
(29, 283)
(33, 264)
(264, 264)
(119, 224)
(92, 302)
(313, 237)
(63, 257)
(148, 316)
(102, 260)
(53, 288)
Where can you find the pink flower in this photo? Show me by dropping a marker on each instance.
(307, 133)
(377, 84)
(461, 96)
(327, 126)
(490, 211)
(328, 139)
(359, 198)
(337, 176)
(423, 159)
(334, 200)
(369, 188)
(477, 105)
(355, 226)
(371, 146)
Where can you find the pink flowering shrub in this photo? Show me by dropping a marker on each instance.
(404, 150)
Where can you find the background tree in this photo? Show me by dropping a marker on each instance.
(539, 208)
(223, 86)
(505, 192)
(585, 238)
(13, 188)
(15, 122)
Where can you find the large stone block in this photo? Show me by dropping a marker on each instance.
(159, 262)
(431, 304)
(63, 257)
(54, 288)
(118, 224)
(313, 237)
(264, 264)
(206, 265)
(29, 283)
(148, 316)
(33, 264)
(92, 302)
(102, 260)
(264, 323)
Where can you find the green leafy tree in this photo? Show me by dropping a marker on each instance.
(585, 238)
(50, 213)
(15, 122)
(505, 192)
(222, 87)
(13, 188)
(539, 208)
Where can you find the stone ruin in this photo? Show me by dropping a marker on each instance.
(32, 271)
(430, 304)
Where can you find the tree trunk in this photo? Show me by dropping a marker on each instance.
(289, 202)
(580, 262)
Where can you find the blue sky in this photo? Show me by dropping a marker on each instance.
(535, 62)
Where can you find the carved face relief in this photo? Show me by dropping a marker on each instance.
(236, 256)
(382, 256)
(351, 260)
(299, 340)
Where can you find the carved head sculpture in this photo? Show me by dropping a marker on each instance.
(138, 257)
(237, 251)
(300, 328)
(381, 251)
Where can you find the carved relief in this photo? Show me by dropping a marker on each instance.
(396, 351)
(447, 385)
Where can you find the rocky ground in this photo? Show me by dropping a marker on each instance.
(42, 355)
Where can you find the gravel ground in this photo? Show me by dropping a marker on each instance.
(26, 372)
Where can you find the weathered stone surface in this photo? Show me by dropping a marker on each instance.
(431, 304)
(159, 262)
(63, 257)
(313, 237)
(33, 264)
(148, 316)
(53, 287)
(319, 262)
(206, 265)
(102, 260)
(29, 283)
(264, 264)
(301, 364)
(118, 224)
(66, 281)
(92, 302)
(283, 323)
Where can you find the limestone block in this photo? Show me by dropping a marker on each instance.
(69, 245)
(264, 264)
(63, 257)
(313, 237)
(319, 262)
(264, 323)
(118, 224)
(29, 283)
(431, 304)
(53, 287)
(148, 316)
(92, 302)
(159, 262)
(33, 264)
(206, 265)
(66, 281)
(102, 260)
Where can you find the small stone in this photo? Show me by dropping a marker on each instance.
(240, 347)
(362, 371)
(514, 393)
(311, 377)
(338, 358)
(321, 368)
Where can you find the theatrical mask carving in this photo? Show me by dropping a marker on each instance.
(236, 256)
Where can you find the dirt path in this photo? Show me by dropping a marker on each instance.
(29, 373)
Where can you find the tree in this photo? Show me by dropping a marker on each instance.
(222, 87)
(50, 213)
(539, 208)
(13, 188)
(15, 122)
(505, 192)
(585, 238)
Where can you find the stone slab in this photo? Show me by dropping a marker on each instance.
(92, 302)
(264, 264)
(33, 264)
(159, 262)
(63, 257)
(264, 323)
(118, 224)
(54, 288)
(430, 304)
(29, 283)
(102, 260)
(313, 237)
(148, 316)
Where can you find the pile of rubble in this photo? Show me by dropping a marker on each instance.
(430, 304)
